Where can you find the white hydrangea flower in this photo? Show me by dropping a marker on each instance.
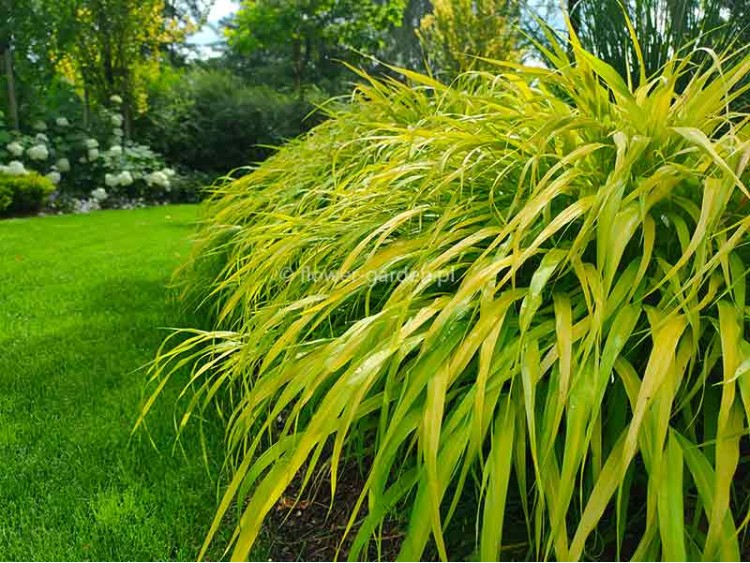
(16, 168)
(38, 152)
(39, 125)
(157, 179)
(125, 178)
(93, 154)
(86, 205)
(42, 138)
(115, 99)
(63, 165)
(15, 148)
(54, 177)
(169, 172)
(117, 120)
(118, 132)
(111, 180)
(62, 122)
(115, 150)
(91, 143)
(99, 194)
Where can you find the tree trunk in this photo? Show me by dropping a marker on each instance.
(306, 59)
(297, 64)
(12, 101)
(128, 104)
(86, 106)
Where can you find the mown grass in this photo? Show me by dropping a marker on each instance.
(81, 309)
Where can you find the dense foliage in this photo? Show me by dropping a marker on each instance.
(100, 47)
(308, 39)
(213, 121)
(532, 282)
(663, 27)
(458, 34)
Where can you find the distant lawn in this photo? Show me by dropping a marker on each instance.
(82, 300)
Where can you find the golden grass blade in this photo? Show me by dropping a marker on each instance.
(439, 279)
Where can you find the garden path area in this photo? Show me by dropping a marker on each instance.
(82, 300)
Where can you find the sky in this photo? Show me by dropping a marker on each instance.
(207, 34)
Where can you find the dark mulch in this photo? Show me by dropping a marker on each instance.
(311, 527)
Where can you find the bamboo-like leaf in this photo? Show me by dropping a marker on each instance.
(671, 506)
(531, 281)
(497, 476)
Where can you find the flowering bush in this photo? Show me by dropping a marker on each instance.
(89, 172)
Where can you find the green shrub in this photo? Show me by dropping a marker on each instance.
(28, 192)
(6, 197)
(212, 121)
(572, 324)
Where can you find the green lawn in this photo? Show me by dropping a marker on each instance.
(82, 307)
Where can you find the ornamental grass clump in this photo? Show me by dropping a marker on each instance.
(529, 284)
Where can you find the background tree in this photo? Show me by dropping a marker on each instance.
(8, 21)
(404, 48)
(28, 49)
(309, 37)
(194, 14)
(119, 47)
(459, 31)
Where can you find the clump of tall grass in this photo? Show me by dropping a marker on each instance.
(534, 279)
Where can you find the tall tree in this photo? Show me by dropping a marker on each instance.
(27, 48)
(193, 14)
(459, 32)
(404, 48)
(12, 15)
(103, 47)
(7, 58)
(309, 35)
(119, 46)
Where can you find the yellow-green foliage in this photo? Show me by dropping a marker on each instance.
(25, 193)
(457, 34)
(573, 326)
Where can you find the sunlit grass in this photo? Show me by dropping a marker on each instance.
(83, 306)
